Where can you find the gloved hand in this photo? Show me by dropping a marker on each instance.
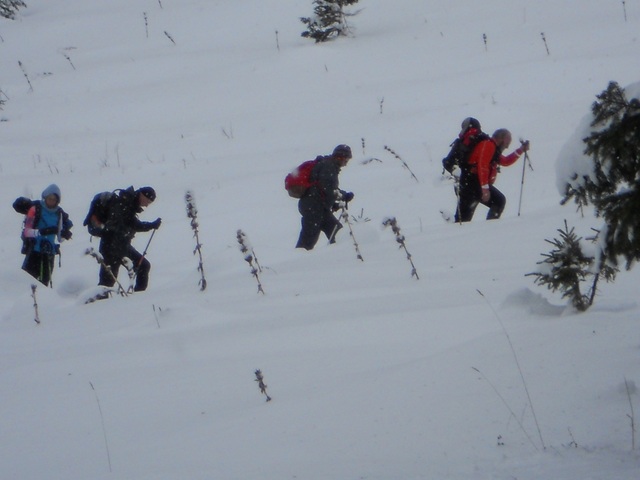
(66, 234)
(156, 223)
(486, 194)
(48, 231)
(347, 196)
(524, 145)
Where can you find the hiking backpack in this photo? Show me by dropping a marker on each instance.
(460, 152)
(22, 205)
(98, 213)
(299, 179)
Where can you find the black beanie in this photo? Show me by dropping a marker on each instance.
(148, 192)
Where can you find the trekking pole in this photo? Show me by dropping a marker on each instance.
(134, 272)
(524, 166)
(100, 259)
(144, 253)
(456, 189)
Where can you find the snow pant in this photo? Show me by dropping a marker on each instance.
(470, 195)
(141, 267)
(39, 266)
(316, 218)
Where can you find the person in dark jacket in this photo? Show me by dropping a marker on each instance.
(318, 203)
(45, 226)
(119, 229)
(476, 182)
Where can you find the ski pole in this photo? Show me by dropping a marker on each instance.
(524, 165)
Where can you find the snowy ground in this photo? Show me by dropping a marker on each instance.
(373, 374)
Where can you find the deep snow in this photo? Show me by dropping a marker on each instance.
(373, 374)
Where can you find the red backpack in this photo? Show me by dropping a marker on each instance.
(299, 180)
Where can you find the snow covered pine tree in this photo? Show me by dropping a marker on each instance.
(329, 20)
(569, 265)
(613, 187)
(9, 8)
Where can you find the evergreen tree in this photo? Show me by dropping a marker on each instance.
(8, 8)
(613, 187)
(329, 20)
(568, 266)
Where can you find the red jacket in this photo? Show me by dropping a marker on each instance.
(485, 166)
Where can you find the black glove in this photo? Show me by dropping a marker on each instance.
(66, 234)
(48, 231)
(156, 224)
(347, 196)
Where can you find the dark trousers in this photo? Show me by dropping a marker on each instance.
(316, 219)
(39, 266)
(470, 195)
(141, 267)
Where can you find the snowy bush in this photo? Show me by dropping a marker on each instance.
(9, 8)
(329, 20)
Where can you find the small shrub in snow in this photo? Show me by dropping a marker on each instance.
(2, 100)
(262, 385)
(544, 40)
(341, 204)
(192, 213)
(404, 164)
(329, 20)
(249, 257)
(24, 72)
(391, 222)
(36, 317)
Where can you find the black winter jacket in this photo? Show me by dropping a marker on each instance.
(324, 190)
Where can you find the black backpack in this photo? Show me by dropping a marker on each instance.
(98, 212)
(461, 151)
(22, 205)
